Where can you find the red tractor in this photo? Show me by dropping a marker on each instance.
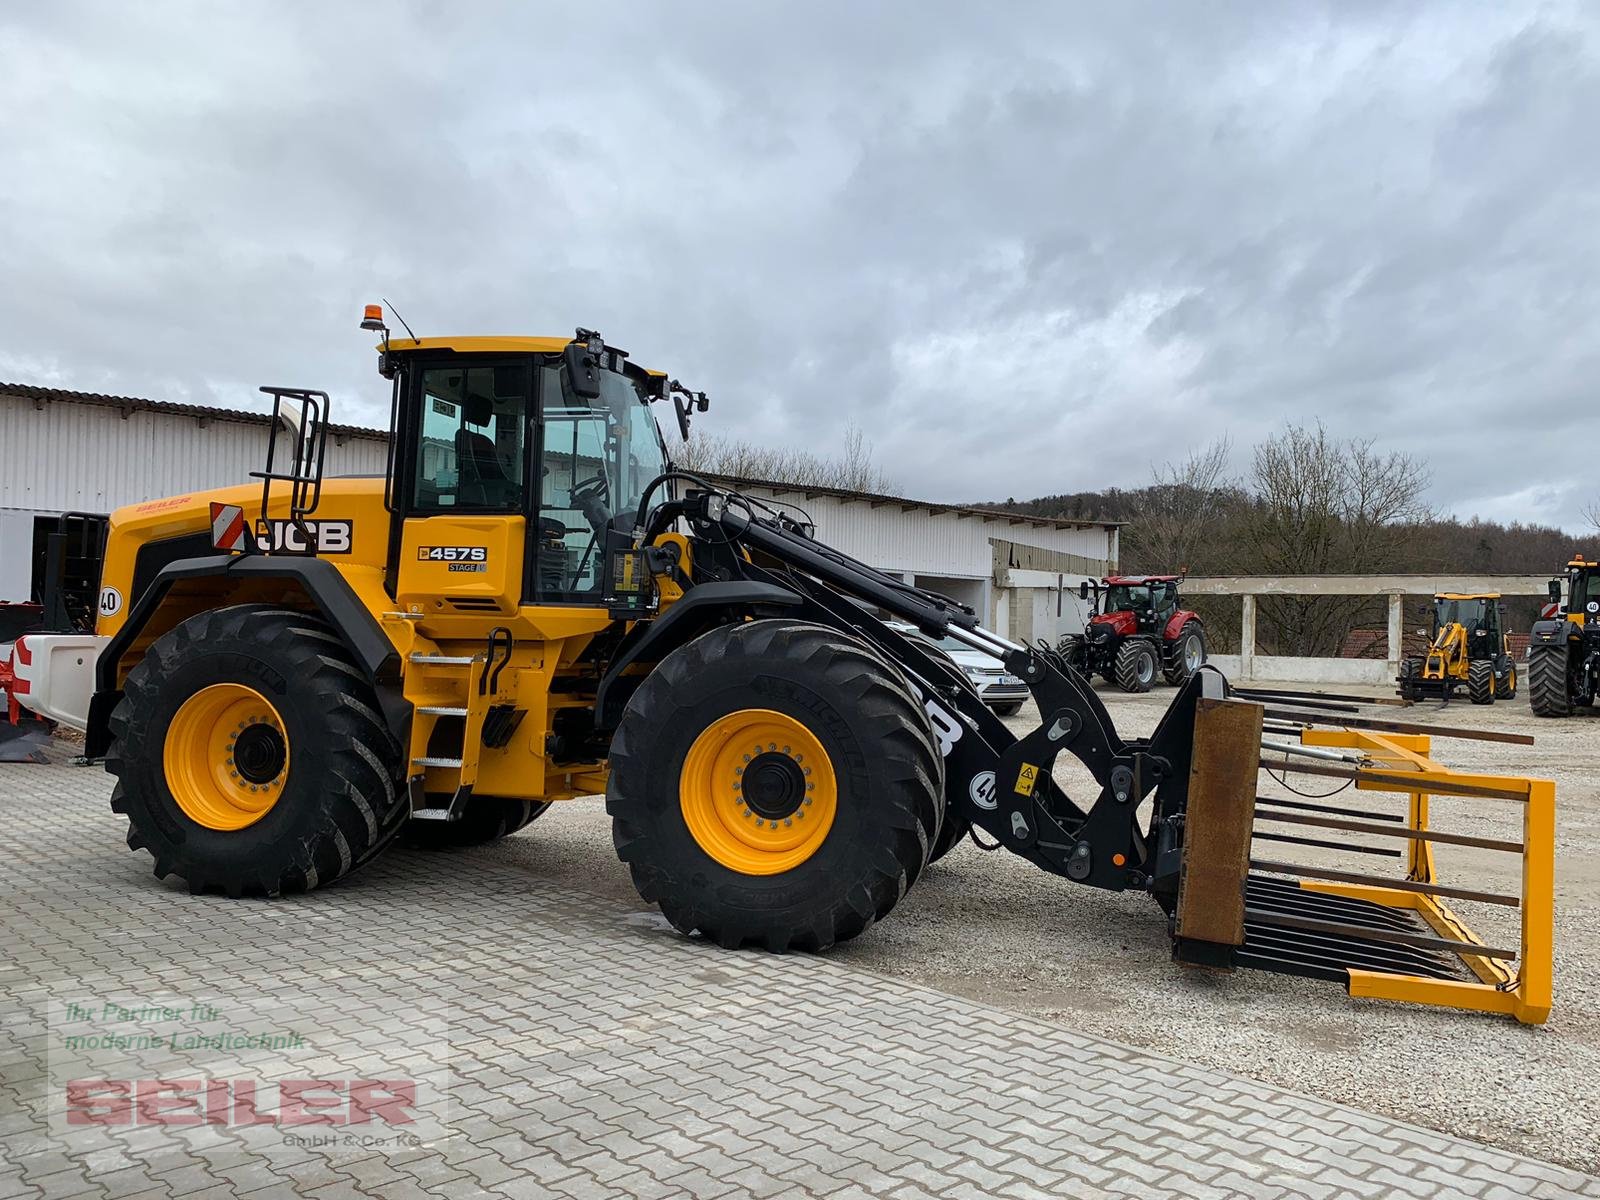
(1136, 632)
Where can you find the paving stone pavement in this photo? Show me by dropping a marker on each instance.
(594, 1053)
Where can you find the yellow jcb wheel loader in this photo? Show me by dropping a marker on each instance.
(1467, 648)
(532, 605)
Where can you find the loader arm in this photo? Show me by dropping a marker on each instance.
(996, 782)
(1177, 814)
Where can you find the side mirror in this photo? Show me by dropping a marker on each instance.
(583, 370)
(1083, 590)
(1555, 591)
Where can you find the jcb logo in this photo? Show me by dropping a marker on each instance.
(946, 728)
(285, 537)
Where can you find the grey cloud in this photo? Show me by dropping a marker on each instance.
(1028, 248)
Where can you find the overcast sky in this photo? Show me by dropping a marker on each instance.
(1027, 248)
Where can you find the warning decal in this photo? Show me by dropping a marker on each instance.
(1026, 778)
(227, 526)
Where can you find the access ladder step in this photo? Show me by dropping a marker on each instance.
(430, 761)
(442, 710)
(445, 660)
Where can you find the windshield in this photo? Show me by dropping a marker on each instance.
(598, 457)
(1584, 588)
(1127, 596)
(1460, 612)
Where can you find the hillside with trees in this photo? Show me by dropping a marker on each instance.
(1309, 504)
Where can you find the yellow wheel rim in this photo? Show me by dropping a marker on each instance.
(758, 792)
(226, 756)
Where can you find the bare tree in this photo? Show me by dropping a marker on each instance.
(1591, 514)
(1182, 510)
(1328, 507)
(853, 469)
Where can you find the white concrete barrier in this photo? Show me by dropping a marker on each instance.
(1282, 669)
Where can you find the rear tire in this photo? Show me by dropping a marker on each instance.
(1135, 668)
(339, 797)
(1547, 681)
(1480, 681)
(486, 819)
(687, 843)
(1186, 654)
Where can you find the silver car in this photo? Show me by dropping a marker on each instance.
(999, 689)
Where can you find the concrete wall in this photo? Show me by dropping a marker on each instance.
(1276, 669)
(1248, 666)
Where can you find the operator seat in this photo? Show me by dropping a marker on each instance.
(482, 477)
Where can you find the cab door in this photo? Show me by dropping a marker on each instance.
(464, 495)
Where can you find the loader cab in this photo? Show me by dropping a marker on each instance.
(517, 470)
(1478, 616)
(1583, 591)
(1151, 601)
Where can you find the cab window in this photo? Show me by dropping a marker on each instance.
(470, 447)
(599, 455)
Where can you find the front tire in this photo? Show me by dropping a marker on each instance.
(1547, 681)
(739, 739)
(1135, 667)
(250, 755)
(1480, 681)
(1410, 669)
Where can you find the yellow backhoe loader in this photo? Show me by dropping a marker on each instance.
(532, 605)
(1467, 647)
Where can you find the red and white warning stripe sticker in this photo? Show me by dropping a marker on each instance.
(227, 526)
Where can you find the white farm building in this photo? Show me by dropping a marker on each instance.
(77, 452)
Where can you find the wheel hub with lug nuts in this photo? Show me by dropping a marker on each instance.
(226, 756)
(758, 791)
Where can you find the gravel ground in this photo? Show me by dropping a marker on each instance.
(993, 928)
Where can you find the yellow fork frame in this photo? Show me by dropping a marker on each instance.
(1524, 993)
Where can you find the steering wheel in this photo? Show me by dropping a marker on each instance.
(552, 530)
(593, 497)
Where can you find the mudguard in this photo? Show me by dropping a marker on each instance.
(323, 585)
(1553, 633)
(1177, 621)
(699, 608)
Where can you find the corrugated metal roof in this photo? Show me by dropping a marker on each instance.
(878, 499)
(132, 404)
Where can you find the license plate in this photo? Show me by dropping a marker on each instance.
(1009, 680)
